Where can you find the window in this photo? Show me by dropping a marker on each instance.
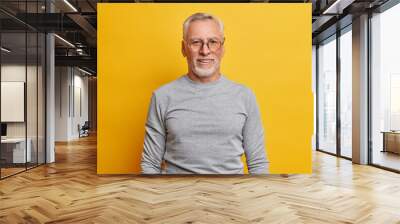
(327, 95)
(346, 93)
(385, 88)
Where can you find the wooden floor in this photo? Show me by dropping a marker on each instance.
(69, 191)
(9, 171)
(5, 172)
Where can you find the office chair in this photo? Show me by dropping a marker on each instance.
(84, 130)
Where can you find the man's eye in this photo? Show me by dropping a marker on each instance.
(196, 42)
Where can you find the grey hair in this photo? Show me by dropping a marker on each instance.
(201, 16)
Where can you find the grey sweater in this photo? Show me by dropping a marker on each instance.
(203, 128)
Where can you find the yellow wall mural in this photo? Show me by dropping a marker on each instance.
(267, 48)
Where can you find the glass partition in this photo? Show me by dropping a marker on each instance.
(13, 95)
(22, 77)
(327, 95)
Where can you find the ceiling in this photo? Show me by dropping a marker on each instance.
(76, 24)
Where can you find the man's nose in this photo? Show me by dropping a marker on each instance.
(204, 50)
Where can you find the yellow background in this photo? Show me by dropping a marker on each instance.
(268, 48)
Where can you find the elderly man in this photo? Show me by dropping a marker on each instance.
(202, 123)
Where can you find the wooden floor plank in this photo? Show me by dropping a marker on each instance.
(70, 191)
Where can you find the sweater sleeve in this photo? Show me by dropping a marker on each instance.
(253, 139)
(154, 141)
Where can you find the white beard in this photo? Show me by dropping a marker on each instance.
(201, 72)
(205, 72)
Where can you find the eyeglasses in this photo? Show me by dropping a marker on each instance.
(212, 44)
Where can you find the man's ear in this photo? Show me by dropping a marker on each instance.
(183, 49)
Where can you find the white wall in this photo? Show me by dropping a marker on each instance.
(62, 81)
(80, 84)
(71, 102)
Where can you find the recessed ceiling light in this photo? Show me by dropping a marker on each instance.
(70, 5)
(84, 71)
(337, 7)
(64, 40)
(5, 50)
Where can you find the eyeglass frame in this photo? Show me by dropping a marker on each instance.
(207, 44)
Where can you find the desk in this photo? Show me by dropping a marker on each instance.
(13, 150)
(391, 141)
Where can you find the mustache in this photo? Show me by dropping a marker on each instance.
(199, 59)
